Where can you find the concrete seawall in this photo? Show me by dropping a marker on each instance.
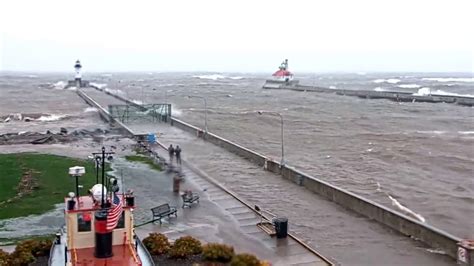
(408, 226)
(390, 95)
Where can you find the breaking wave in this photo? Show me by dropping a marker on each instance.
(406, 210)
(90, 109)
(60, 85)
(213, 77)
(379, 89)
(216, 77)
(466, 132)
(425, 91)
(49, 118)
(112, 91)
(391, 81)
(99, 85)
(450, 79)
(137, 102)
(409, 86)
(399, 206)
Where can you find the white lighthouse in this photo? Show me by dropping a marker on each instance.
(78, 76)
(78, 82)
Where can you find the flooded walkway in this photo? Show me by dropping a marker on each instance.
(218, 217)
(343, 235)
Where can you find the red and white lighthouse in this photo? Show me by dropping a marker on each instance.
(283, 74)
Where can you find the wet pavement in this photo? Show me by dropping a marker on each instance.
(216, 218)
(343, 235)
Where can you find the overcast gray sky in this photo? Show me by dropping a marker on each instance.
(244, 35)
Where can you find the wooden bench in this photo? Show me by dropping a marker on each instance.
(188, 199)
(162, 211)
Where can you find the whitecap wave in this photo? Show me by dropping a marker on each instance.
(406, 210)
(112, 91)
(332, 87)
(409, 86)
(48, 118)
(106, 75)
(436, 251)
(391, 81)
(90, 109)
(431, 132)
(213, 76)
(450, 79)
(60, 85)
(176, 112)
(425, 91)
(466, 132)
(98, 85)
(137, 102)
(379, 89)
(235, 78)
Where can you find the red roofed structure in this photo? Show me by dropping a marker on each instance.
(283, 74)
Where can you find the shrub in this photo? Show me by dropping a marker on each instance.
(21, 258)
(37, 247)
(4, 258)
(157, 244)
(218, 252)
(245, 259)
(185, 246)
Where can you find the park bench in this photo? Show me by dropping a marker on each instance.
(189, 199)
(162, 211)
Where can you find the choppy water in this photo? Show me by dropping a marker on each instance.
(416, 155)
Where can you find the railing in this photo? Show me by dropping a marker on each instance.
(139, 243)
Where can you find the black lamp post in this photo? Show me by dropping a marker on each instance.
(102, 158)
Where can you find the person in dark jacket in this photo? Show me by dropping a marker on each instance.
(177, 152)
(171, 152)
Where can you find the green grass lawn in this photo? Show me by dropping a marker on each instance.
(51, 173)
(143, 159)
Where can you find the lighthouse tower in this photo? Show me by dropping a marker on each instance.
(78, 82)
(281, 78)
(78, 76)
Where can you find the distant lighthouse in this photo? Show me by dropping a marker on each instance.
(78, 82)
(78, 76)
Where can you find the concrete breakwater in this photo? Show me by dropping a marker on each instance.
(390, 95)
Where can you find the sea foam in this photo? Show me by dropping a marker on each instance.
(450, 79)
(48, 118)
(409, 86)
(391, 81)
(427, 91)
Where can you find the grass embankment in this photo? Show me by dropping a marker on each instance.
(143, 159)
(32, 183)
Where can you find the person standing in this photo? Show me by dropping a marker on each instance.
(177, 152)
(171, 153)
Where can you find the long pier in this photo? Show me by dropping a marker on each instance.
(397, 96)
(453, 246)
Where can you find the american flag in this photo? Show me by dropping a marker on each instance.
(114, 213)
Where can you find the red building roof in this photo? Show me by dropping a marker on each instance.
(282, 73)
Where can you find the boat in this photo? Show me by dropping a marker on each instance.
(281, 78)
(99, 227)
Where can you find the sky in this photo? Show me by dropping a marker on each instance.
(237, 36)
